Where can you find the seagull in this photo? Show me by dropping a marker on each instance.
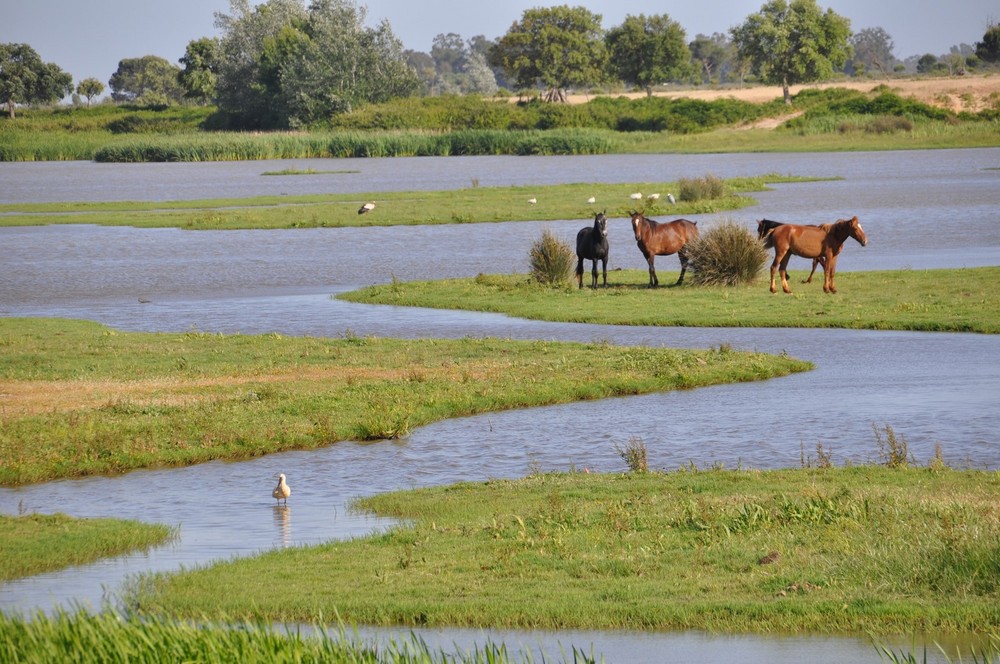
(654, 197)
(367, 207)
(282, 491)
(532, 200)
(670, 197)
(591, 200)
(636, 196)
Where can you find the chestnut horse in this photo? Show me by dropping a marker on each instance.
(662, 239)
(592, 244)
(765, 226)
(823, 241)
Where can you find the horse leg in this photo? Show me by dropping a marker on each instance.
(809, 279)
(783, 271)
(828, 270)
(774, 268)
(604, 269)
(579, 272)
(653, 281)
(593, 273)
(684, 266)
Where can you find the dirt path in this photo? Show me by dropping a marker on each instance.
(958, 93)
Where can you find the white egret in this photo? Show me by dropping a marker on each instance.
(670, 197)
(367, 207)
(636, 196)
(591, 200)
(532, 200)
(654, 197)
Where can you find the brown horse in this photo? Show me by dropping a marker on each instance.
(824, 242)
(765, 226)
(656, 239)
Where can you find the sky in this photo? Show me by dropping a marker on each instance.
(87, 38)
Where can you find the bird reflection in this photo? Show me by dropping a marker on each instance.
(283, 520)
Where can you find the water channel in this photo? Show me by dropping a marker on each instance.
(933, 388)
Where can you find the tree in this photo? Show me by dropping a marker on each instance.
(449, 52)
(556, 47)
(711, 54)
(25, 79)
(988, 50)
(89, 88)
(146, 80)
(873, 50)
(927, 63)
(646, 51)
(201, 66)
(793, 42)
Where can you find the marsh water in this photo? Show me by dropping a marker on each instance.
(934, 389)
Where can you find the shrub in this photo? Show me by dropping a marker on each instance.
(552, 260)
(726, 255)
(633, 454)
(700, 189)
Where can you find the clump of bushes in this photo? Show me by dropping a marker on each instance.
(552, 261)
(726, 255)
(701, 189)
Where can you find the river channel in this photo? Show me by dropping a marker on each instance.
(935, 389)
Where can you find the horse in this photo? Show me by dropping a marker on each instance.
(592, 244)
(765, 226)
(662, 239)
(824, 241)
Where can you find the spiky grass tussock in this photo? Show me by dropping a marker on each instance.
(726, 255)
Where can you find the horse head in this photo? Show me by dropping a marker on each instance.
(637, 221)
(857, 232)
(601, 224)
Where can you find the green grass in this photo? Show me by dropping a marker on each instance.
(960, 300)
(35, 543)
(107, 638)
(82, 399)
(864, 549)
(470, 205)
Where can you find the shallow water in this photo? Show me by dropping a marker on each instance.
(932, 388)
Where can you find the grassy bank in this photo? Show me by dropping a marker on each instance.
(864, 549)
(93, 400)
(962, 300)
(36, 543)
(469, 205)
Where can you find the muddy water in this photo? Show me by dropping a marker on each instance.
(933, 388)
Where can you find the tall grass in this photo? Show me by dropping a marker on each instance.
(728, 254)
(551, 260)
(107, 638)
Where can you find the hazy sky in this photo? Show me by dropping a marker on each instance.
(87, 38)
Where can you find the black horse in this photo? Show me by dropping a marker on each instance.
(592, 244)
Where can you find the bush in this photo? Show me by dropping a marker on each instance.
(552, 260)
(726, 255)
(700, 189)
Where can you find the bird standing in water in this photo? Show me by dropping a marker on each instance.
(282, 491)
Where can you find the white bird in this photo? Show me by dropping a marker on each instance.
(282, 491)
(367, 207)
(654, 197)
(670, 197)
(636, 196)
(532, 200)
(591, 200)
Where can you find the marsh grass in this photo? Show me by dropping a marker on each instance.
(93, 400)
(107, 638)
(727, 254)
(634, 454)
(551, 260)
(960, 300)
(35, 543)
(864, 549)
(468, 205)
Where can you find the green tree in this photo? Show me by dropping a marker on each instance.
(711, 55)
(89, 88)
(25, 79)
(988, 50)
(927, 63)
(873, 50)
(793, 42)
(555, 47)
(645, 51)
(200, 73)
(146, 80)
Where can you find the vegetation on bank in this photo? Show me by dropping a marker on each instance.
(873, 549)
(832, 119)
(35, 543)
(468, 205)
(93, 400)
(959, 300)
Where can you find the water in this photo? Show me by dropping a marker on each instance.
(931, 388)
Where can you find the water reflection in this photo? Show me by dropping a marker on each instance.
(283, 522)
